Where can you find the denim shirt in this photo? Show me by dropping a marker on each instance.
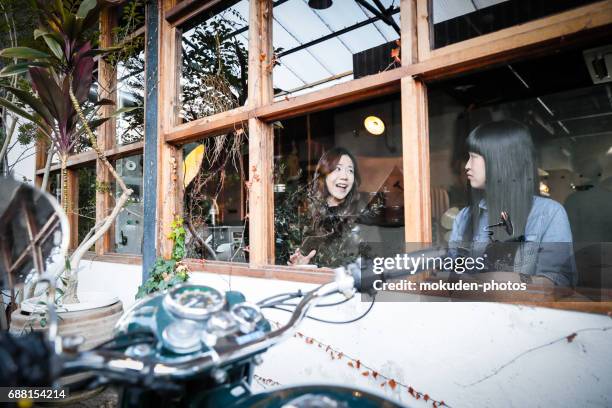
(548, 240)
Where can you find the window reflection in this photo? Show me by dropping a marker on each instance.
(215, 198)
(129, 224)
(338, 184)
(459, 20)
(86, 203)
(214, 52)
(130, 94)
(345, 41)
(567, 110)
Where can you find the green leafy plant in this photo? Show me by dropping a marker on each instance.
(60, 70)
(167, 273)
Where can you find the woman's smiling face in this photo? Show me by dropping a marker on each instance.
(340, 181)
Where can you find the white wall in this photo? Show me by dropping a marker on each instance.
(437, 348)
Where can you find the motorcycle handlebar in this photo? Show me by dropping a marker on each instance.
(116, 365)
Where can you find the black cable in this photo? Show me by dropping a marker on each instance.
(321, 305)
(289, 295)
(330, 321)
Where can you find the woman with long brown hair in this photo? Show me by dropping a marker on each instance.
(333, 203)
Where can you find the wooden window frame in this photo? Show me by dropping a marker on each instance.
(106, 136)
(420, 64)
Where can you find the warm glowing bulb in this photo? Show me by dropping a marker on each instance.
(374, 125)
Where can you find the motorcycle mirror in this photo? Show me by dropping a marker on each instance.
(507, 223)
(32, 225)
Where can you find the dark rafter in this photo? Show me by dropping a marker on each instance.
(335, 34)
(381, 12)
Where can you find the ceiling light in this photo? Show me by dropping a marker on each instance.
(320, 4)
(374, 125)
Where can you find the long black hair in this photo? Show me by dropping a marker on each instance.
(511, 176)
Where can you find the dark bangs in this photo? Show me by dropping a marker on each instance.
(511, 174)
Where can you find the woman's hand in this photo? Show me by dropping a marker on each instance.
(298, 259)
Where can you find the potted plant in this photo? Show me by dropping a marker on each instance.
(60, 72)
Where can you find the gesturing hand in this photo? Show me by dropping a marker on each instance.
(298, 259)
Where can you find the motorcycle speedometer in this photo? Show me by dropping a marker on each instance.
(247, 315)
(193, 301)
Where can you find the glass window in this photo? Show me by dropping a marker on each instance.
(214, 52)
(215, 198)
(338, 182)
(86, 204)
(129, 224)
(130, 94)
(566, 107)
(54, 185)
(331, 45)
(131, 17)
(458, 20)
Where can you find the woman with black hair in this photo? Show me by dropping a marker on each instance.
(333, 202)
(504, 187)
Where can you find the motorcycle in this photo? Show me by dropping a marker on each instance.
(190, 346)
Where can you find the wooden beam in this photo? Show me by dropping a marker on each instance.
(424, 28)
(409, 37)
(82, 159)
(127, 259)
(220, 123)
(415, 135)
(73, 207)
(261, 135)
(295, 274)
(107, 81)
(42, 148)
(187, 9)
(415, 147)
(120, 151)
(168, 159)
(367, 87)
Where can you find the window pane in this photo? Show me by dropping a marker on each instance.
(129, 224)
(215, 200)
(86, 209)
(332, 45)
(566, 108)
(130, 94)
(54, 183)
(459, 20)
(214, 62)
(131, 16)
(338, 182)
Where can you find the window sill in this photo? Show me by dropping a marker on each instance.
(127, 259)
(277, 272)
